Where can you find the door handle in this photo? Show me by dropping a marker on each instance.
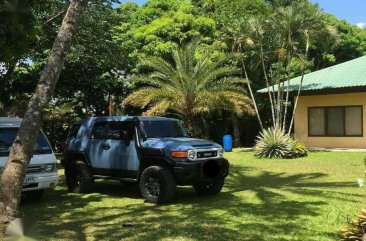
(106, 146)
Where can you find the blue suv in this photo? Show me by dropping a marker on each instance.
(155, 152)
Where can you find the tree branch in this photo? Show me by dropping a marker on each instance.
(57, 15)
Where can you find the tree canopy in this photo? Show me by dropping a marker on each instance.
(113, 39)
(189, 86)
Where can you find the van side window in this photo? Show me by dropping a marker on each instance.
(74, 131)
(99, 130)
(119, 130)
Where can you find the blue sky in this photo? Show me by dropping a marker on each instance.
(139, 2)
(354, 11)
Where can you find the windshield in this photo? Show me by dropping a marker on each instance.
(7, 137)
(163, 128)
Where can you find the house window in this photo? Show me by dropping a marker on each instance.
(335, 121)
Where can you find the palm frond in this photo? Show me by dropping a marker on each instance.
(189, 85)
(145, 96)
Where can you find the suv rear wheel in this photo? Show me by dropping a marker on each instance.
(209, 188)
(79, 178)
(157, 184)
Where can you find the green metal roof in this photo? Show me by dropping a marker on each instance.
(349, 74)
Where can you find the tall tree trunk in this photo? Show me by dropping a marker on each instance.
(301, 82)
(289, 60)
(296, 101)
(268, 86)
(236, 128)
(20, 155)
(251, 95)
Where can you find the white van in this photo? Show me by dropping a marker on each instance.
(42, 170)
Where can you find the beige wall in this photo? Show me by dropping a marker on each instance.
(301, 120)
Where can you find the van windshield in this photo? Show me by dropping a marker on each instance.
(163, 128)
(7, 137)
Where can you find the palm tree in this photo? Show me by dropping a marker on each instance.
(189, 85)
(274, 44)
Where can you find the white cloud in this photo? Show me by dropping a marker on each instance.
(361, 25)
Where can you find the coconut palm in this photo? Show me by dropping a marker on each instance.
(189, 85)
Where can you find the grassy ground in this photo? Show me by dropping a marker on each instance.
(304, 199)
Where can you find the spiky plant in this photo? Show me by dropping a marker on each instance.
(188, 86)
(356, 230)
(274, 143)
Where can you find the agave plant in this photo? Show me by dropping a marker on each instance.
(274, 143)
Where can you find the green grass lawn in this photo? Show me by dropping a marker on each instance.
(303, 199)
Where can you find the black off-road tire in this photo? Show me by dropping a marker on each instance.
(157, 184)
(209, 188)
(79, 177)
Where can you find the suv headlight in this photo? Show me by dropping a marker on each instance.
(191, 155)
(49, 167)
(221, 152)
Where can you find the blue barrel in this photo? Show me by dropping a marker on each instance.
(227, 140)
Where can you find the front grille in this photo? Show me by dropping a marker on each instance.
(206, 154)
(35, 169)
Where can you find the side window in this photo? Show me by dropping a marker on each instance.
(7, 137)
(99, 130)
(119, 130)
(74, 131)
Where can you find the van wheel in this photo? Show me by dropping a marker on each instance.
(35, 195)
(209, 188)
(157, 184)
(79, 178)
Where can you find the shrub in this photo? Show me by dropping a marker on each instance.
(356, 229)
(273, 143)
(298, 150)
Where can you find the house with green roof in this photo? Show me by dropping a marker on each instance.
(331, 108)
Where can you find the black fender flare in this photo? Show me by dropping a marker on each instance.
(153, 157)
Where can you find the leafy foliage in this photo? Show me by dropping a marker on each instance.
(19, 29)
(159, 25)
(351, 43)
(356, 229)
(111, 41)
(189, 86)
(275, 44)
(299, 150)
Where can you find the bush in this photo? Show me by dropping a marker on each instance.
(298, 150)
(356, 229)
(274, 143)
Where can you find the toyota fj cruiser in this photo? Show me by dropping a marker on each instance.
(156, 152)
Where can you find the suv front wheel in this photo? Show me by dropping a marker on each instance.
(79, 178)
(157, 184)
